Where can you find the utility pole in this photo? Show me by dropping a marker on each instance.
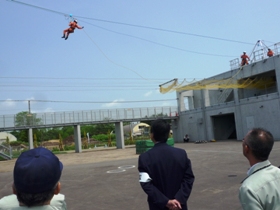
(29, 112)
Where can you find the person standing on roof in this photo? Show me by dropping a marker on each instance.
(73, 25)
(245, 58)
(269, 53)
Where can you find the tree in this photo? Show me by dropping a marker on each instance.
(35, 140)
(67, 131)
(103, 128)
(157, 116)
(60, 143)
(52, 133)
(26, 119)
(7, 140)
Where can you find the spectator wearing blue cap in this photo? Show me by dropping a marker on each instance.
(36, 180)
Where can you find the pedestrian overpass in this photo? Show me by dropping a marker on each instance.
(78, 118)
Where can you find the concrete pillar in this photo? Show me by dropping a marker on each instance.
(236, 97)
(30, 138)
(238, 116)
(204, 119)
(119, 135)
(206, 97)
(77, 137)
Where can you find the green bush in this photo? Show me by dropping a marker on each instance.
(113, 144)
(17, 143)
(129, 142)
(55, 149)
(16, 154)
(59, 152)
(69, 147)
(104, 137)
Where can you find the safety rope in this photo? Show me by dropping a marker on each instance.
(110, 59)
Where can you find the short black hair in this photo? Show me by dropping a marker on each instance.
(35, 199)
(260, 142)
(160, 130)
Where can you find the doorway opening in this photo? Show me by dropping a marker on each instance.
(224, 126)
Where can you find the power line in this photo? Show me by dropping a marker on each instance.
(88, 102)
(86, 78)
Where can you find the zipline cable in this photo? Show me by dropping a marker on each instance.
(133, 25)
(153, 42)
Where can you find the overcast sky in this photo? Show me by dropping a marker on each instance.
(125, 51)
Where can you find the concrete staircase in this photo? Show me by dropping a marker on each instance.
(224, 95)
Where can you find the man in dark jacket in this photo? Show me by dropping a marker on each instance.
(165, 172)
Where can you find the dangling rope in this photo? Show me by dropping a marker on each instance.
(110, 59)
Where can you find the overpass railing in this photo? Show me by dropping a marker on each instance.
(54, 119)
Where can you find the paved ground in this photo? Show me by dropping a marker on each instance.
(219, 168)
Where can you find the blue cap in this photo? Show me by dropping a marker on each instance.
(36, 171)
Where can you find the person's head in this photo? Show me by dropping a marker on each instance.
(269, 49)
(36, 177)
(159, 130)
(75, 21)
(244, 52)
(258, 142)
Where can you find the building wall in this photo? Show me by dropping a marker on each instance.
(249, 109)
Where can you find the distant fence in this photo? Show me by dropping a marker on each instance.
(56, 119)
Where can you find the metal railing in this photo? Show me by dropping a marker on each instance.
(234, 64)
(257, 55)
(6, 152)
(55, 119)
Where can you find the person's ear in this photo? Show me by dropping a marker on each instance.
(246, 149)
(14, 189)
(152, 136)
(57, 188)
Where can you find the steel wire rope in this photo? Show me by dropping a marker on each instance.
(133, 25)
(153, 42)
(112, 60)
(147, 27)
(166, 30)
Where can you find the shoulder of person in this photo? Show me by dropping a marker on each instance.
(8, 201)
(58, 201)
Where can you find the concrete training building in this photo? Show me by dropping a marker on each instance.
(228, 105)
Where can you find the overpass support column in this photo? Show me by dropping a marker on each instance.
(77, 136)
(119, 135)
(30, 138)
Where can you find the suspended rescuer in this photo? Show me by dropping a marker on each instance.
(73, 25)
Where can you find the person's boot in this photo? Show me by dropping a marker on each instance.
(63, 36)
(66, 37)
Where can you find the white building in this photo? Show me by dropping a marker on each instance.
(4, 135)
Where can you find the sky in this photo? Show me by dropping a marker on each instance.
(125, 51)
